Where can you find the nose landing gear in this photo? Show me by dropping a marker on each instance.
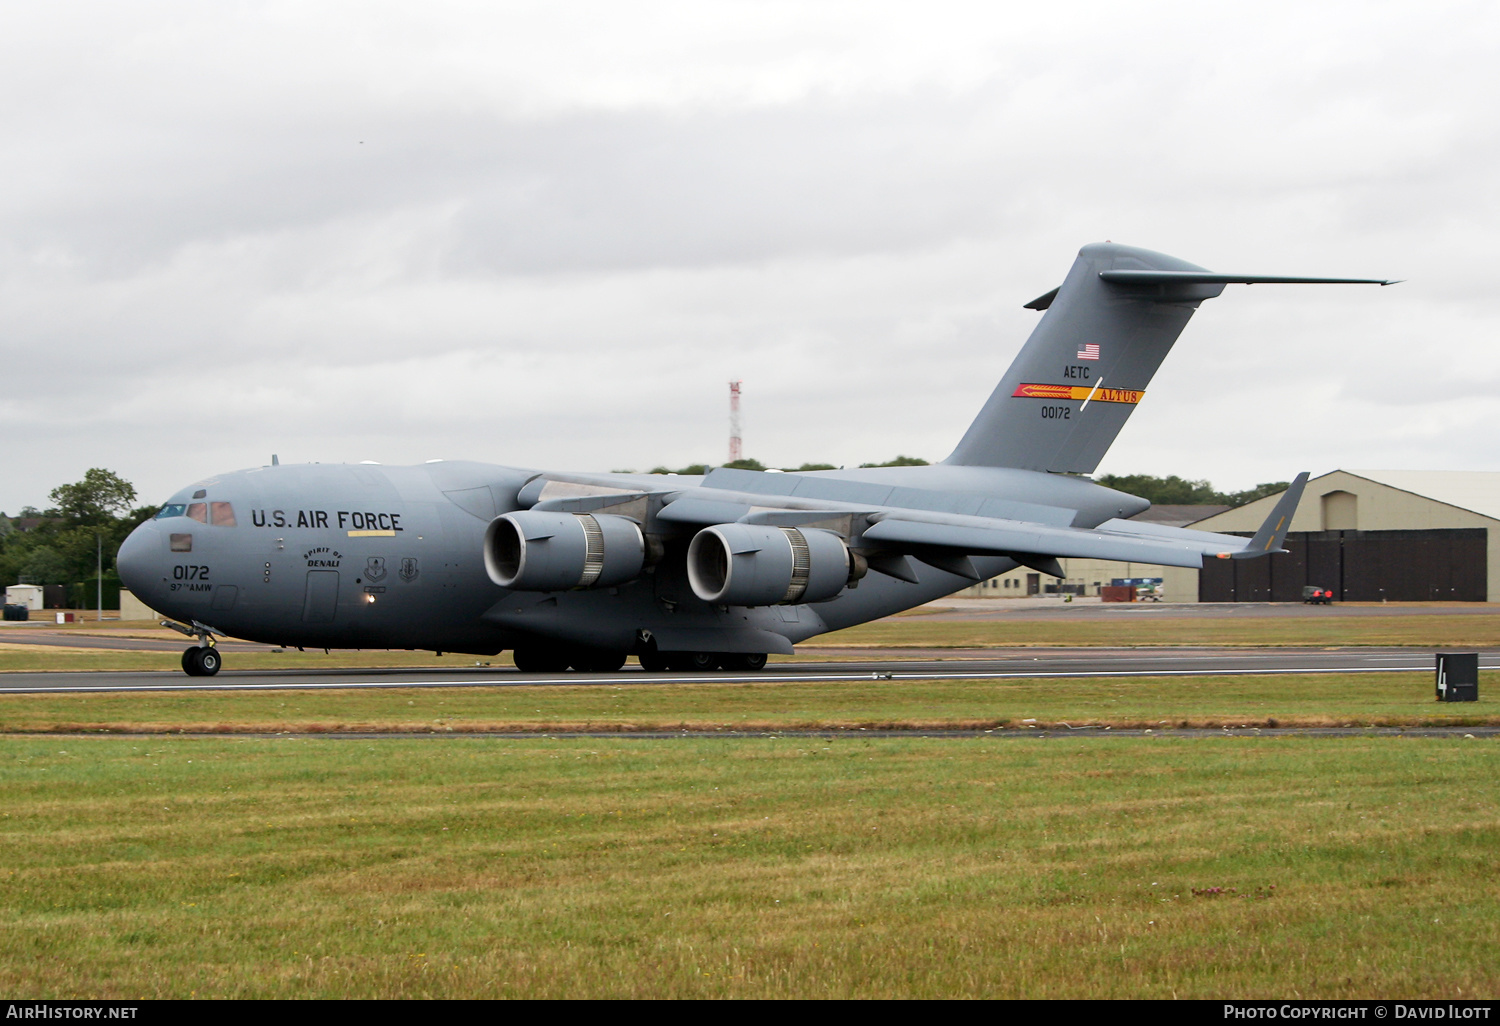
(201, 662)
(203, 659)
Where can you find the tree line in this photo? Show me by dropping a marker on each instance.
(58, 545)
(1159, 491)
(1175, 491)
(704, 468)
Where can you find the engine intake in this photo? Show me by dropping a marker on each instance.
(538, 550)
(755, 565)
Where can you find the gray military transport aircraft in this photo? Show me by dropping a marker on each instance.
(581, 570)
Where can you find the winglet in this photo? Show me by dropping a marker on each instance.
(1273, 532)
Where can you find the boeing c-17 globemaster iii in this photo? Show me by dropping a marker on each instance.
(582, 570)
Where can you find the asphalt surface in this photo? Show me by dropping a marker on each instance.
(1008, 664)
(862, 664)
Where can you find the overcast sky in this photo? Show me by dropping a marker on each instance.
(548, 234)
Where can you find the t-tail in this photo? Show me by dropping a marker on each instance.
(1105, 331)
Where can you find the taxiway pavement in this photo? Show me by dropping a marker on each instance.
(1016, 664)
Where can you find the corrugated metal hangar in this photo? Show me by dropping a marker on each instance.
(1372, 536)
(1366, 535)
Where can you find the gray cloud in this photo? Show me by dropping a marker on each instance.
(548, 236)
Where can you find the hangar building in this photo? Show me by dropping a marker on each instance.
(1369, 535)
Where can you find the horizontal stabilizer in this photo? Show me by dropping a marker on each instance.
(1209, 278)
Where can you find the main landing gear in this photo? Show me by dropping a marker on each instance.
(700, 662)
(560, 658)
(203, 659)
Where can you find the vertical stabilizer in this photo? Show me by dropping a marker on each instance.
(1086, 366)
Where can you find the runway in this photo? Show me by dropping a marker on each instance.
(888, 664)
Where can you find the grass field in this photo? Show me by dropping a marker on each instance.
(472, 867)
(1380, 699)
(150, 865)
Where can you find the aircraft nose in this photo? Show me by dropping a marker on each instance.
(137, 557)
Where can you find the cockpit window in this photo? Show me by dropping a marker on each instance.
(222, 513)
(172, 509)
(198, 511)
(182, 543)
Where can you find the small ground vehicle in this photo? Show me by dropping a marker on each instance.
(1317, 595)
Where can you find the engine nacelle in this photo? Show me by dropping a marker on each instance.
(539, 550)
(755, 565)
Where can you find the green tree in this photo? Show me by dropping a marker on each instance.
(91, 516)
(1159, 491)
(96, 501)
(899, 461)
(1260, 491)
(45, 565)
(1175, 491)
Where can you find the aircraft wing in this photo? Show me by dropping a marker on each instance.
(1028, 540)
(940, 538)
(1121, 540)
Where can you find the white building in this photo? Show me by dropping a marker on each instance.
(28, 595)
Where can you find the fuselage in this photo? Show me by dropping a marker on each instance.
(371, 556)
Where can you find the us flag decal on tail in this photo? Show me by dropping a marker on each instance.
(1090, 351)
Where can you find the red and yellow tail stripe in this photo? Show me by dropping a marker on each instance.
(1098, 395)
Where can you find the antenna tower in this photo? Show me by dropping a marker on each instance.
(734, 421)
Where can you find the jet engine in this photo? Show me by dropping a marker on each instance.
(755, 565)
(538, 550)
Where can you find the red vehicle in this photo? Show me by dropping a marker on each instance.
(1315, 595)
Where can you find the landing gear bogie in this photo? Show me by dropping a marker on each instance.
(700, 662)
(540, 659)
(560, 658)
(596, 660)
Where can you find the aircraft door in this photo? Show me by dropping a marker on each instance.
(322, 598)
